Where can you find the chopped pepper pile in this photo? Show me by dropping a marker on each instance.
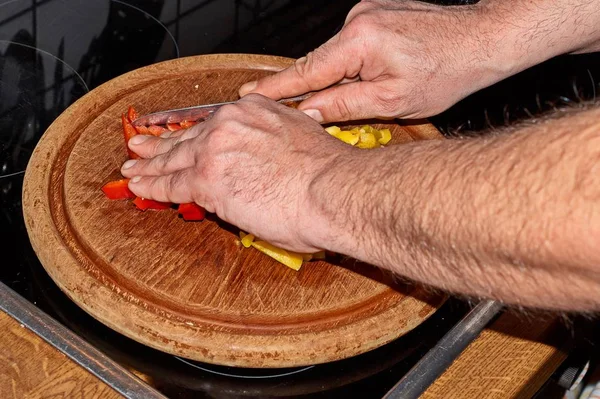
(118, 189)
(362, 137)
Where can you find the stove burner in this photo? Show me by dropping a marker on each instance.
(35, 86)
(245, 373)
(61, 49)
(156, 20)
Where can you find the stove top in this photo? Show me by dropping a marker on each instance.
(52, 52)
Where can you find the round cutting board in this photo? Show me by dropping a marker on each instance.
(190, 288)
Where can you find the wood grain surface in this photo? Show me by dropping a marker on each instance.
(31, 368)
(191, 289)
(511, 359)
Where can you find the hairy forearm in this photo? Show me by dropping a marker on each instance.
(532, 31)
(515, 216)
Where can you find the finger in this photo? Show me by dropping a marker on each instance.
(170, 135)
(329, 64)
(178, 158)
(190, 132)
(150, 146)
(352, 101)
(177, 187)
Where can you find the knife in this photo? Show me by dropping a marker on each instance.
(199, 112)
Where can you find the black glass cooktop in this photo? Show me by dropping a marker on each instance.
(54, 51)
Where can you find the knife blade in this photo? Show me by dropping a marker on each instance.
(199, 112)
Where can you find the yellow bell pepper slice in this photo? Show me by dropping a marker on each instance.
(386, 136)
(368, 129)
(367, 140)
(290, 259)
(346, 136)
(333, 130)
(247, 239)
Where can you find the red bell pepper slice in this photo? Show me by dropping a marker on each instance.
(191, 211)
(117, 189)
(128, 132)
(157, 130)
(142, 129)
(174, 127)
(144, 204)
(186, 124)
(132, 114)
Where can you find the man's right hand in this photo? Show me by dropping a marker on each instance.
(410, 59)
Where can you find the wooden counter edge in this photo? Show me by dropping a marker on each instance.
(32, 368)
(511, 359)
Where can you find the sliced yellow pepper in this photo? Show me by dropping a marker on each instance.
(364, 137)
(367, 140)
(368, 129)
(386, 136)
(333, 130)
(347, 137)
(290, 259)
(247, 240)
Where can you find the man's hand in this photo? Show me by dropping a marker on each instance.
(251, 164)
(409, 59)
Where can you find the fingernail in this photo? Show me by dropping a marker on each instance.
(315, 114)
(166, 135)
(129, 164)
(136, 179)
(248, 87)
(139, 139)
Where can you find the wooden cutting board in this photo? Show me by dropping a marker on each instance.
(191, 289)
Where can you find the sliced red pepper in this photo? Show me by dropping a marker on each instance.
(156, 130)
(174, 127)
(191, 211)
(142, 129)
(132, 114)
(117, 189)
(186, 124)
(144, 204)
(128, 132)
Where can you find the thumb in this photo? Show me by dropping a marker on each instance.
(351, 101)
(325, 66)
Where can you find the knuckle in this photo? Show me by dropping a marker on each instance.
(307, 67)
(162, 163)
(361, 26)
(172, 183)
(341, 108)
(303, 64)
(390, 102)
(399, 101)
(228, 110)
(154, 189)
